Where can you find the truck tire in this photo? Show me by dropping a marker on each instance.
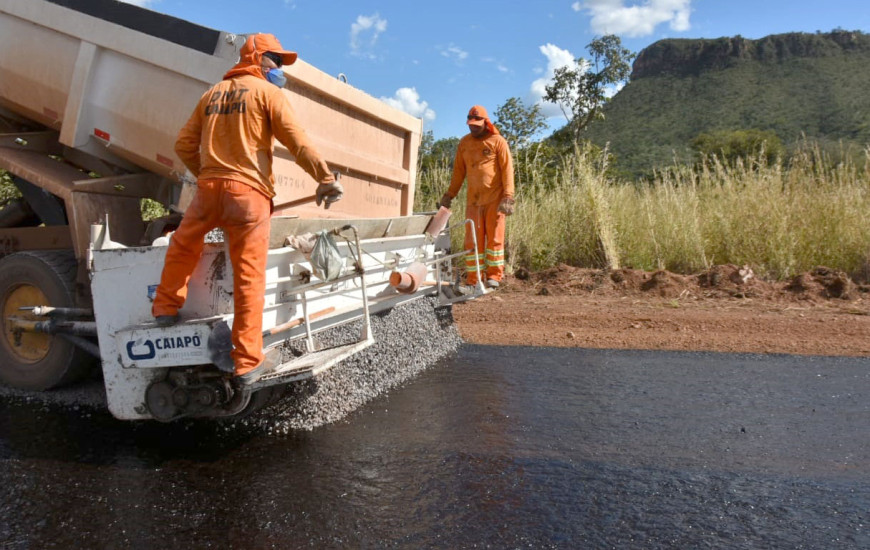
(33, 361)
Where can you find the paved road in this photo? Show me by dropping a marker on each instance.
(495, 448)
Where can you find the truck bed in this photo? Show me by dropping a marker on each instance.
(117, 82)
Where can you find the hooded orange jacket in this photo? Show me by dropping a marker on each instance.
(229, 135)
(487, 164)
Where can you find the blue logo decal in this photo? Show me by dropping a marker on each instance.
(162, 344)
(149, 354)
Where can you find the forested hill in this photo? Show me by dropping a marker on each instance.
(793, 84)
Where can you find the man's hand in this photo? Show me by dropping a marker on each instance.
(329, 193)
(507, 206)
(446, 200)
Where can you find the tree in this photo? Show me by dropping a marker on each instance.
(731, 145)
(439, 153)
(436, 165)
(517, 123)
(427, 140)
(580, 90)
(436, 153)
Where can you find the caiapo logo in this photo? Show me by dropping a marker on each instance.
(139, 350)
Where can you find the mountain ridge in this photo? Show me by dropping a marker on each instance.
(795, 84)
(691, 56)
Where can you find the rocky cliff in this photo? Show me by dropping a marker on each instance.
(797, 85)
(685, 57)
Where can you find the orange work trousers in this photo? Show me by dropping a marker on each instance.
(489, 227)
(243, 213)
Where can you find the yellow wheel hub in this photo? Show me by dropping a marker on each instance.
(29, 347)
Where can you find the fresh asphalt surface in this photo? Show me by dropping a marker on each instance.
(494, 447)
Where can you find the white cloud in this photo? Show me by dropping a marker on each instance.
(364, 33)
(454, 52)
(614, 89)
(614, 17)
(408, 100)
(556, 58)
(499, 66)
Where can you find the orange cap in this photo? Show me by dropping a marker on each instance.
(477, 111)
(480, 111)
(264, 42)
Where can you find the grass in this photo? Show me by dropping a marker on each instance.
(781, 218)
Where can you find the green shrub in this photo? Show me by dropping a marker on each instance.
(733, 145)
(8, 191)
(152, 209)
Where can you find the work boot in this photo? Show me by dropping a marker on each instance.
(252, 376)
(164, 321)
(492, 283)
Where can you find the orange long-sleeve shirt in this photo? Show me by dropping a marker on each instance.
(229, 135)
(487, 165)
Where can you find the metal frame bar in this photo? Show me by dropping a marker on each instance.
(480, 290)
(302, 292)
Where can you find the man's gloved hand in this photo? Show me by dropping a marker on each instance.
(329, 193)
(507, 206)
(446, 201)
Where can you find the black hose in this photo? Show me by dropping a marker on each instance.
(82, 343)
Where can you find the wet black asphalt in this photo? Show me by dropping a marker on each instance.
(495, 447)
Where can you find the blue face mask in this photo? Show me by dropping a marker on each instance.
(276, 77)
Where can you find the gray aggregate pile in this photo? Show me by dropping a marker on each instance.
(408, 339)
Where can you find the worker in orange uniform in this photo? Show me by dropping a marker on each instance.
(483, 158)
(227, 145)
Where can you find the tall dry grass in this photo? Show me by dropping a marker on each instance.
(781, 218)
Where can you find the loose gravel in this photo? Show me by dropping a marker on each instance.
(408, 339)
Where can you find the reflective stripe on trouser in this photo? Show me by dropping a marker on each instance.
(243, 213)
(489, 224)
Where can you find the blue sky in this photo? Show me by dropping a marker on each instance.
(437, 59)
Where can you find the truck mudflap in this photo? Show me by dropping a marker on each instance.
(185, 370)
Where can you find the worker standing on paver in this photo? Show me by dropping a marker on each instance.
(483, 157)
(227, 145)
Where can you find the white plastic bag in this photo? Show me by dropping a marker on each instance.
(326, 260)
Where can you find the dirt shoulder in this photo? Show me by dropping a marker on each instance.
(724, 309)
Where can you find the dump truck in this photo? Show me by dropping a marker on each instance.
(92, 95)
